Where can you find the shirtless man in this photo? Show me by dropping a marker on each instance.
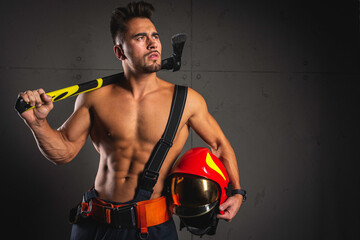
(126, 120)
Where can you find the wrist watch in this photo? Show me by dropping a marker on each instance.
(242, 192)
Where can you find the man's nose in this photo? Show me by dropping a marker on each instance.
(152, 44)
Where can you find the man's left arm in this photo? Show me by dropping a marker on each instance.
(209, 130)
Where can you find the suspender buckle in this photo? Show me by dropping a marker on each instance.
(149, 180)
(165, 142)
(151, 175)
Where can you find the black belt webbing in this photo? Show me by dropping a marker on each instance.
(157, 157)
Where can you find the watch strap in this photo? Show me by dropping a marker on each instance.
(242, 192)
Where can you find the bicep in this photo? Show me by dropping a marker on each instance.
(203, 123)
(77, 127)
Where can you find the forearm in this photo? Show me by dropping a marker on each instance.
(226, 154)
(51, 143)
(233, 203)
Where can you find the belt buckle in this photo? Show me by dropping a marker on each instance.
(121, 217)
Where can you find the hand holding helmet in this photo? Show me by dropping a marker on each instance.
(230, 207)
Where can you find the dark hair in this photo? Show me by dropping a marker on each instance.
(122, 15)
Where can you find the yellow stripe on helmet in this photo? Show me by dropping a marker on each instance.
(210, 162)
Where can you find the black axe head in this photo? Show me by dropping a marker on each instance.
(174, 62)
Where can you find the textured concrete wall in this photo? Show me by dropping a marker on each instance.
(279, 76)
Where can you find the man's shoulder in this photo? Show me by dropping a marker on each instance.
(192, 95)
(195, 102)
(87, 99)
(195, 97)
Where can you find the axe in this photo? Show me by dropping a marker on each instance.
(172, 63)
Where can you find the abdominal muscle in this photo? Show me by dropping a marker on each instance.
(120, 168)
(118, 173)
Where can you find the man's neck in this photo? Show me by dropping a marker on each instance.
(140, 84)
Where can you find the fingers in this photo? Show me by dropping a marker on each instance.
(230, 207)
(32, 97)
(24, 96)
(46, 98)
(225, 205)
(35, 97)
(227, 216)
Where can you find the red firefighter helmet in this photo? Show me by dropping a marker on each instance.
(198, 183)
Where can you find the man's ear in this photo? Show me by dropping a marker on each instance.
(119, 52)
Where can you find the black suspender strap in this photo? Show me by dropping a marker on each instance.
(157, 157)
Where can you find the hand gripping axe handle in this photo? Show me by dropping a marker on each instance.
(172, 63)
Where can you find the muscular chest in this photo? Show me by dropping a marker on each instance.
(123, 120)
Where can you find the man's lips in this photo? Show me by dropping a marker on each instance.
(153, 55)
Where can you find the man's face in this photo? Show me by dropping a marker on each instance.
(141, 46)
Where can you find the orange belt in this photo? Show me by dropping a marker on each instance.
(142, 214)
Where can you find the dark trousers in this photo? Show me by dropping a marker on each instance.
(89, 229)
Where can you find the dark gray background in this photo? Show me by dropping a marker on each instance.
(279, 76)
